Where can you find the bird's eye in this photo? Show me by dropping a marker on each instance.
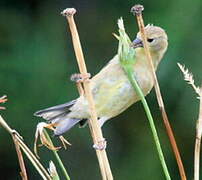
(150, 40)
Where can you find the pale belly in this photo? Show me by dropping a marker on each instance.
(113, 94)
(115, 100)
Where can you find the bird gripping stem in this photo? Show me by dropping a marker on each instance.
(137, 11)
(95, 129)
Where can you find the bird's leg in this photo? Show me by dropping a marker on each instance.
(102, 120)
(50, 126)
(44, 137)
(100, 145)
(79, 79)
(64, 142)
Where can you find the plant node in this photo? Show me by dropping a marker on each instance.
(137, 9)
(68, 12)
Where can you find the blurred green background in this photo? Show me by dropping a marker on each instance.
(37, 59)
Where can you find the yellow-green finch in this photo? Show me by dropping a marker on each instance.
(111, 89)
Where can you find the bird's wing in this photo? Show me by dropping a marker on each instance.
(53, 112)
(111, 90)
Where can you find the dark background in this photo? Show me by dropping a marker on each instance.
(37, 59)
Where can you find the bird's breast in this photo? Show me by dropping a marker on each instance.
(112, 91)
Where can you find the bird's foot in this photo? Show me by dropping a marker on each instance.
(101, 145)
(80, 78)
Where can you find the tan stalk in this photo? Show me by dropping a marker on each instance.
(190, 80)
(137, 11)
(23, 172)
(20, 144)
(95, 129)
(198, 142)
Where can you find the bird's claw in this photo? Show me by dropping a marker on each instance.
(79, 78)
(101, 145)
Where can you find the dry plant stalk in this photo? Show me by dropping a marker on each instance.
(137, 11)
(95, 129)
(19, 144)
(198, 142)
(189, 78)
(23, 172)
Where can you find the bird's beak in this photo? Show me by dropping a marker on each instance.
(137, 43)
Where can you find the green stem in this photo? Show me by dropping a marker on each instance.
(151, 121)
(58, 158)
(61, 165)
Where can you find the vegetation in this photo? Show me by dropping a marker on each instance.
(37, 59)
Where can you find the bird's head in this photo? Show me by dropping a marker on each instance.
(156, 37)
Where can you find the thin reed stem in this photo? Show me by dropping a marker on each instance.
(137, 11)
(23, 172)
(198, 143)
(188, 77)
(197, 158)
(57, 157)
(151, 122)
(95, 129)
(126, 55)
(18, 139)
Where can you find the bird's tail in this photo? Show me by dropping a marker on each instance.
(58, 115)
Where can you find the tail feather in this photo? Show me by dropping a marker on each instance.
(58, 115)
(65, 125)
(55, 111)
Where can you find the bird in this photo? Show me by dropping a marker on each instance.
(112, 91)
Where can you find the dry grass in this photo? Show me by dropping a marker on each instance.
(190, 80)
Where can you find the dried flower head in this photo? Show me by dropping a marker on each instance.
(52, 170)
(189, 78)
